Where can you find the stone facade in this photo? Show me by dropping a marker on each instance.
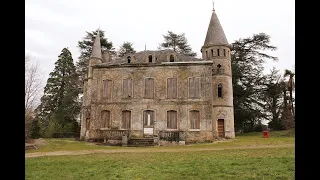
(202, 104)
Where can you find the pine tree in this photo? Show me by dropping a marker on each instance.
(125, 48)
(178, 43)
(85, 47)
(59, 104)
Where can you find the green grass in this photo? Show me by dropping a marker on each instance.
(262, 163)
(245, 139)
(272, 163)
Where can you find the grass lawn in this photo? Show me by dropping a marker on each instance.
(245, 139)
(265, 163)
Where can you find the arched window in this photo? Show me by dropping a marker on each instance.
(171, 58)
(148, 118)
(129, 59)
(220, 90)
(150, 58)
(172, 119)
(105, 119)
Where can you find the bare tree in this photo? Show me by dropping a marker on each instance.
(33, 85)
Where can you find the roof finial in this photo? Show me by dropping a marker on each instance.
(213, 5)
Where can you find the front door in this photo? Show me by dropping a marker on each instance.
(221, 128)
(148, 122)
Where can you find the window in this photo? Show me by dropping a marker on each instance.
(212, 52)
(194, 119)
(218, 52)
(194, 87)
(148, 118)
(150, 58)
(172, 119)
(220, 90)
(172, 88)
(207, 54)
(228, 53)
(129, 59)
(107, 88)
(126, 119)
(219, 69)
(87, 123)
(224, 52)
(149, 86)
(105, 119)
(171, 58)
(127, 88)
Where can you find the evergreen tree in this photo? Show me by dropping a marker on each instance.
(85, 47)
(178, 43)
(59, 104)
(248, 58)
(125, 48)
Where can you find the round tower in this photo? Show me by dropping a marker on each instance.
(217, 49)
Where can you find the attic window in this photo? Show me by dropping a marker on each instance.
(150, 58)
(218, 52)
(171, 58)
(129, 59)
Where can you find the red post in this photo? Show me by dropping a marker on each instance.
(265, 134)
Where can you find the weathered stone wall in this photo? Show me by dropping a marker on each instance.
(160, 103)
(227, 114)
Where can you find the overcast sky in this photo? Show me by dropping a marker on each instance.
(52, 25)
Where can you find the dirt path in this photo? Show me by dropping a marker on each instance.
(80, 152)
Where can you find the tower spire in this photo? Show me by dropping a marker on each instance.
(96, 49)
(215, 33)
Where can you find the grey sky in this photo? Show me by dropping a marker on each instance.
(52, 25)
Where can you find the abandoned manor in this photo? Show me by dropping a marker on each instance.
(160, 94)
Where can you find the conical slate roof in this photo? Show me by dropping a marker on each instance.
(96, 48)
(215, 33)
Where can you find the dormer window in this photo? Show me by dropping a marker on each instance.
(171, 58)
(150, 58)
(129, 59)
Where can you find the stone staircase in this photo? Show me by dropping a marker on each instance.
(138, 142)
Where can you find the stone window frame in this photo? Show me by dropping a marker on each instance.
(190, 129)
(177, 120)
(130, 123)
(152, 58)
(174, 56)
(199, 97)
(167, 87)
(103, 83)
(110, 119)
(154, 89)
(129, 59)
(132, 91)
(154, 116)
